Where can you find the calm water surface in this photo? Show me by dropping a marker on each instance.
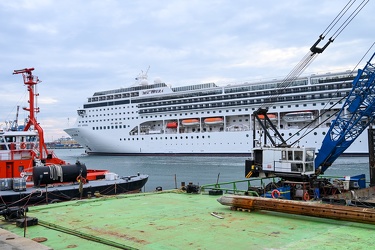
(166, 171)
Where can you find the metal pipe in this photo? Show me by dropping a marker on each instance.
(348, 213)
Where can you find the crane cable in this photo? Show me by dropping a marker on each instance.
(326, 110)
(350, 18)
(314, 51)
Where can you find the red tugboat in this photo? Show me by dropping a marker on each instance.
(31, 174)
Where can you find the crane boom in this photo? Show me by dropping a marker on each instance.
(357, 113)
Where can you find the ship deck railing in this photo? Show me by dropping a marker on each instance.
(244, 186)
(239, 186)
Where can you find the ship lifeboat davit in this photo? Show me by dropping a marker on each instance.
(214, 120)
(272, 117)
(172, 125)
(190, 122)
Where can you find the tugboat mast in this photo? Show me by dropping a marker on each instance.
(30, 81)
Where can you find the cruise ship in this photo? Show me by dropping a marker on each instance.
(207, 119)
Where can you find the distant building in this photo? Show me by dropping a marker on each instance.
(64, 142)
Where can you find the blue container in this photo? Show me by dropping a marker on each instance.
(284, 193)
(361, 179)
(19, 184)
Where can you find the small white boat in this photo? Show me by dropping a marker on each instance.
(303, 116)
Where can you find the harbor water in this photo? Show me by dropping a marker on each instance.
(169, 171)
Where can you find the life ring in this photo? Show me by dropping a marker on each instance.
(306, 196)
(23, 145)
(275, 191)
(22, 174)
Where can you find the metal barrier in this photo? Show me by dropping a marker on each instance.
(231, 187)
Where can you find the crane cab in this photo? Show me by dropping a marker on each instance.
(293, 162)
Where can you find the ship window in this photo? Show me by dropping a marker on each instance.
(290, 155)
(297, 155)
(283, 155)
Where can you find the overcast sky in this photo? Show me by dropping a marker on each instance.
(78, 47)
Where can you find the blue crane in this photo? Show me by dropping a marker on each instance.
(357, 113)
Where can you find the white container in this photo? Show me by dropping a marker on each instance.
(111, 176)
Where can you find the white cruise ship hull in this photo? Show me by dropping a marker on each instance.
(236, 144)
(210, 120)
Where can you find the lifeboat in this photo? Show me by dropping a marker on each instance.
(190, 122)
(304, 116)
(214, 120)
(272, 117)
(172, 125)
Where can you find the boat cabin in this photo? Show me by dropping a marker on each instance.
(17, 150)
(293, 161)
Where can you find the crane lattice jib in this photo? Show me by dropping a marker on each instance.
(357, 113)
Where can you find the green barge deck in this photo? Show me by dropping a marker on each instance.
(175, 220)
